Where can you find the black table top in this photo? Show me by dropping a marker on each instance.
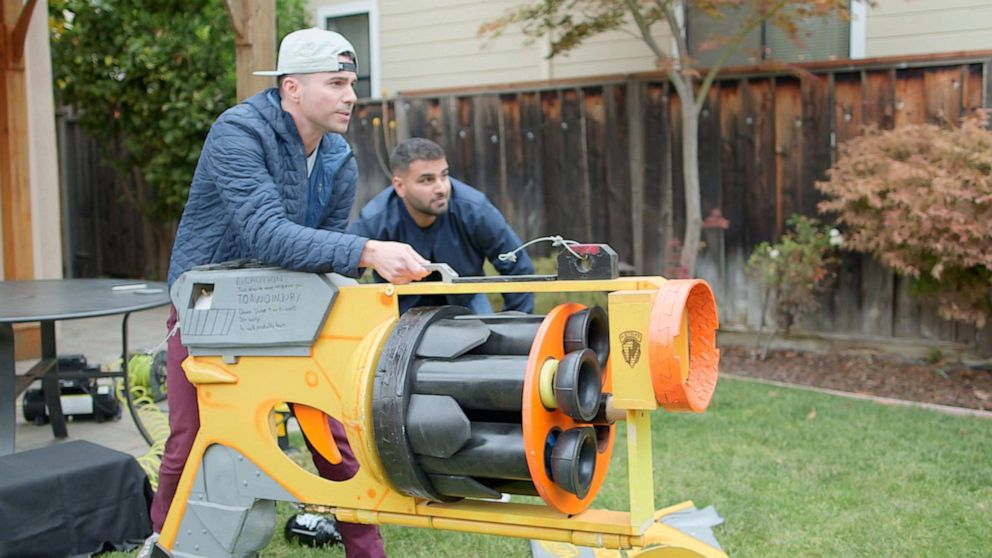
(66, 299)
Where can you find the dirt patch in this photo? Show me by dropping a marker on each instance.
(942, 383)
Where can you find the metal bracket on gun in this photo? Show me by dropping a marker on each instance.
(449, 275)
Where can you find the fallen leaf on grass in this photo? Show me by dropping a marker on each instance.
(811, 415)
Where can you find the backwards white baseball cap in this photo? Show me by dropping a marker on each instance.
(313, 50)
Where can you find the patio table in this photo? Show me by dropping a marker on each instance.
(48, 301)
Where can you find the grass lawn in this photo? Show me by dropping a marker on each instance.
(794, 473)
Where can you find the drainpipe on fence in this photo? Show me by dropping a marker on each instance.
(714, 230)
(402, 108)
(544, 65)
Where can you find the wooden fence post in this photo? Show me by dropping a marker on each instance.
(401, 108)
(254, 24)
(635, 131)
(15, 176)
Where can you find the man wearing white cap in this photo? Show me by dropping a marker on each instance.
(276, 182)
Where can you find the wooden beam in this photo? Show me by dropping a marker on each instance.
(15, 183)
(236, 16)
(635, 142)
(254, 24)
(21, 30)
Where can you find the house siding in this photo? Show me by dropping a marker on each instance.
(420, 48)
(615, 52)
(428, 44)
(898, 27)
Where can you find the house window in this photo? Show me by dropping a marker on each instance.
(820, 38)
(359, 23)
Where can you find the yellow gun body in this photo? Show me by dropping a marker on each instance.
(662, 353)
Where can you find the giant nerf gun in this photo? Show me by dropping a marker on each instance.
(444, 410)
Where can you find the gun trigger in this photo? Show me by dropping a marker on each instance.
(313, 423)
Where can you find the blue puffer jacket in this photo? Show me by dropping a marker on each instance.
(250, 196)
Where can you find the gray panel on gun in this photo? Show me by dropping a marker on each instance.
(234, 311)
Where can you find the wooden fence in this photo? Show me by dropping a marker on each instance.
(599, 160)
(102, 233)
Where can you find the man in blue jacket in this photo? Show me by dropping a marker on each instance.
(276, 182)
(445, 221)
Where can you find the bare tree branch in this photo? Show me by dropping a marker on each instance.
(731, 48)
(678, 31)
(645, 29)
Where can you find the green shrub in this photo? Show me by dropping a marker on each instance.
(795, 269)
(148, 79)
(919, 198)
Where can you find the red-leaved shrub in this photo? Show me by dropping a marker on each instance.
(919, 198)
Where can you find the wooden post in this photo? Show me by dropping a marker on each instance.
(15, 180)
(400, 112)
(635, 142)
(15, 175)
(254, 24)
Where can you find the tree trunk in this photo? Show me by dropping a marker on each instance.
(690, 166)
(149, 250)
(156, 237)
(164, 235)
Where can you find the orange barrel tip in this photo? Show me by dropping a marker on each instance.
(682, 345)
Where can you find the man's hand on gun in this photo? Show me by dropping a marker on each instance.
(395, 262)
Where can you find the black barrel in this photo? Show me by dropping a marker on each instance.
(509, 334)
(589, 329)
(578, 385)
(448, 395)
(525, 488)
(494, 450)
(491, 383)
(573, 460)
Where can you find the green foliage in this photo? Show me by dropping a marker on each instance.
(934, 356)
(919, 198)
(290, 16)
(795, 268)
(148, 79)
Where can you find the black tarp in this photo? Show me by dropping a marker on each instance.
(70, 499)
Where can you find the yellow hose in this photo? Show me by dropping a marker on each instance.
(155, 421)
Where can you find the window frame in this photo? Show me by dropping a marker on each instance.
(359, 7)
(857, 29)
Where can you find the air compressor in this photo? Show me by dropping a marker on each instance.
(444, 410)
(86, 396)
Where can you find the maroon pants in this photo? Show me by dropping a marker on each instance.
(360, 541)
